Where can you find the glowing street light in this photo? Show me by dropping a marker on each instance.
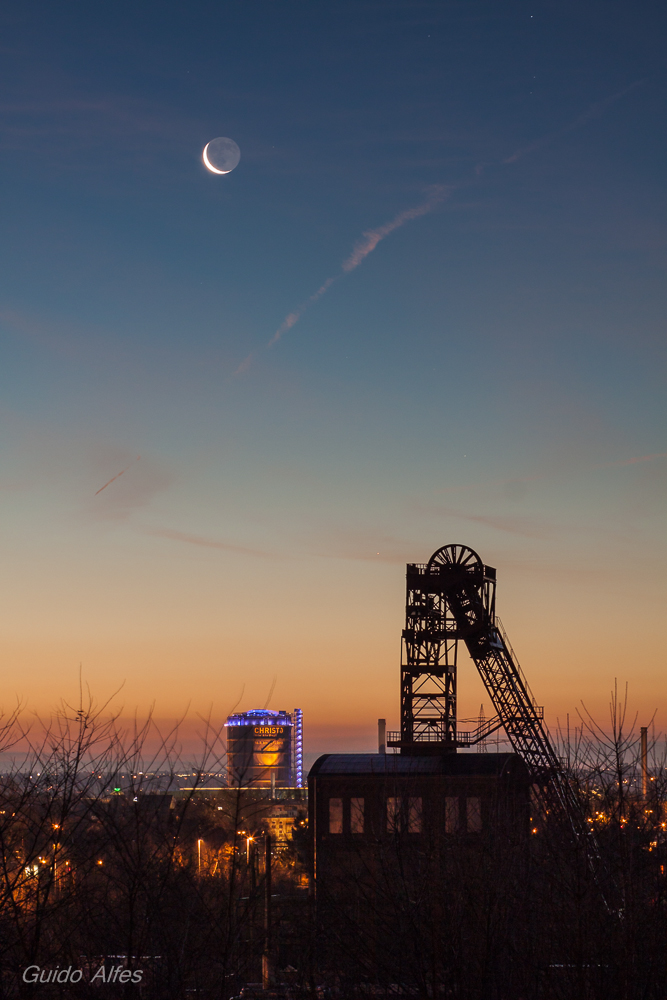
(199, 843)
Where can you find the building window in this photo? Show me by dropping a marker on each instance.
(474, 815)
(414, 815)
(335, 815)
(393, 815)
(356, 815)
(451, 814)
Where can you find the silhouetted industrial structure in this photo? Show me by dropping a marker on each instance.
(427, 794)
(265, 749)
(452, 599)
(359, 800)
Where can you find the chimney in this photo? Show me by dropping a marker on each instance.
(382, 735)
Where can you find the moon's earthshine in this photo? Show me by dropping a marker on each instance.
(221, 155)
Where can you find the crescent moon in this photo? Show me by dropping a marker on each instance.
(207, 162)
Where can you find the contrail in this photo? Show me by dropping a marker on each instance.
(245, 364)
(118, 474)
(595, 109)
(362, 248)
(295, 316)
(372, 237)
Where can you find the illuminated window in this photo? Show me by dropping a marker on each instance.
(335, 815)
(451, 815)
(474, 815)
(356, 815)
(414, 815)
(393, 815)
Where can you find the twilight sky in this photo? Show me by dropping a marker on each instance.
(477, 191)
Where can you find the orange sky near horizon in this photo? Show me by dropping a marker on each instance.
(328, 630)
(427, 307)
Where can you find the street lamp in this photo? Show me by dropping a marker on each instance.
(199, 843)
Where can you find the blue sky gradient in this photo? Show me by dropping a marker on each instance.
(491, 373)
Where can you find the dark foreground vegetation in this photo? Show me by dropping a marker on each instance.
(103, 874)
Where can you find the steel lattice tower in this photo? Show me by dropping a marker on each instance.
(430, 647)
(451, 599)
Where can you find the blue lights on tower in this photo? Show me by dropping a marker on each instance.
(254, 729)
(260, 717)
(297, 716)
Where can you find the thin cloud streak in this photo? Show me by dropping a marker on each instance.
(364, 543)
(295, 316)
(246, 363)
(207, 543)
(593, 112)
(362, 248)
(130, 493)
(525, 527)
(117, 476)
(374, 236)
(546, 475)
(632, 461)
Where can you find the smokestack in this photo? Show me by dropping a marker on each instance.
(382, 735)
(644, 746)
